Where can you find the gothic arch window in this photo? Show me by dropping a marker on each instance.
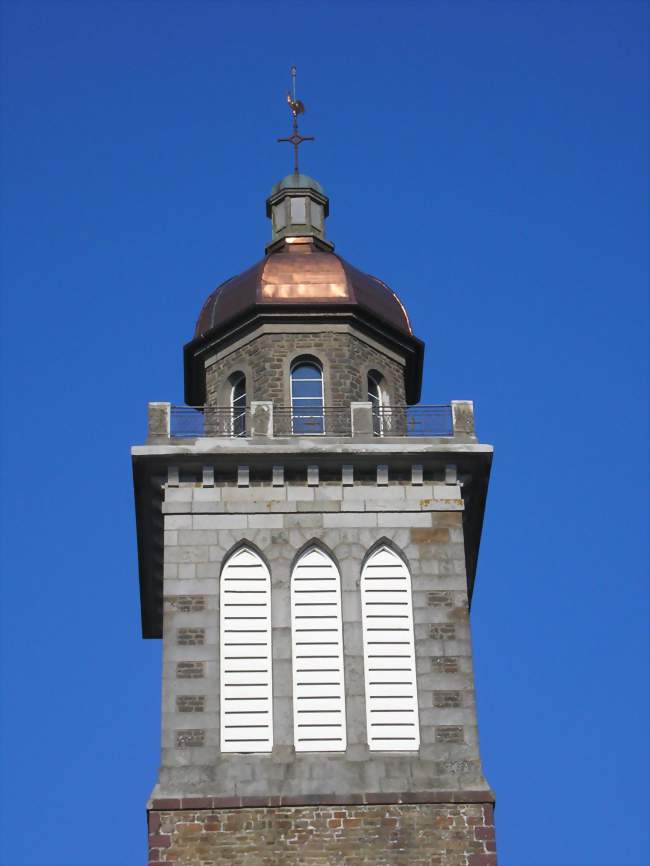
(317, 654)
(389, 653)
(378, 402)
(246, 717)
(307, 413)
(238, 403)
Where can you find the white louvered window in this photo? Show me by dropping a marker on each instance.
(245, 655)
(317, 653)
(389, 654)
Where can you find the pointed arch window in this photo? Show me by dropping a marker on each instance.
(245, 654)
(307, 414)
(389, 654)
(317, 655)
(238, 404)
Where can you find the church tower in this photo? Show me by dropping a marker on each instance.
(308, 538)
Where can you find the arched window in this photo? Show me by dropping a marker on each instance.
(238, 403)
(245, 654)
(389, 654)
(377, 402)
(307, 414)
(317, 654)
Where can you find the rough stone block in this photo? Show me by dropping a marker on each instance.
(265, 521)
(396, 519)
(206, 494)
(429, 535)
(303, 520)
(176, 494)
(451, 491)
(295, 493)
(178, 521)
(351, 520)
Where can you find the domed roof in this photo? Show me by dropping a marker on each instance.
(297, 181)
(297, 273)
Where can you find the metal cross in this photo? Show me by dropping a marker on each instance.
(297, 107)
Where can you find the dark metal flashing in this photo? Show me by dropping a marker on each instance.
(148, 478)
(150, 473)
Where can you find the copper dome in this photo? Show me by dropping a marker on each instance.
(298, 273)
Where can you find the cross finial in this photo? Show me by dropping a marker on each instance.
(297, 107)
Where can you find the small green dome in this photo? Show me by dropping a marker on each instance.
(297, 181)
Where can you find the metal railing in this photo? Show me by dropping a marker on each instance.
(299, 421)
(412, 421)
(188, 422)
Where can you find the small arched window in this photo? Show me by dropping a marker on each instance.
(377, 402)
(317, 655)
(245, 654)
(389, 654)
(238, 404)
(307, 413)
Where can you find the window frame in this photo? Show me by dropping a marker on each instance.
(237, 696)
(319, 413)
(389, 653)
(317, 654)
(378, 402)
(238, 414)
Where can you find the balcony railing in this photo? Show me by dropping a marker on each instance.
(189, 422)
(299, 421)
(262, 418)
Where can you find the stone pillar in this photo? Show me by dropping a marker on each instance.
(462, 412)
(158, 421)
(361, 414)
(262, 418)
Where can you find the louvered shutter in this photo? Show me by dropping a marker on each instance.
(317, 647)
(389, 654)
(246, 661)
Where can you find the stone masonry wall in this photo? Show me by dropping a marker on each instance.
(266, 361)
(423, 521)
(387, 835)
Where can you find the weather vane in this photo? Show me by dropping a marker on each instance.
(297, 107)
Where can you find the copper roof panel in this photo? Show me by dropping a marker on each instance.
(300, 273)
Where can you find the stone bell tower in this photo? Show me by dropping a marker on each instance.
(308, 538)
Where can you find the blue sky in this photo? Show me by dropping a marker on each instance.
(486, 159)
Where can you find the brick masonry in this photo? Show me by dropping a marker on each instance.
(203, 833)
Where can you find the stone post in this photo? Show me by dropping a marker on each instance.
(361, 414)
(462, 412)
(158, 421)
(262, 418)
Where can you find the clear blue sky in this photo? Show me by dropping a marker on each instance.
(489, 161)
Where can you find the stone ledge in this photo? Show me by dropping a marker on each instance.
(367, 799)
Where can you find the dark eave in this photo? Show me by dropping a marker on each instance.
(150, 473)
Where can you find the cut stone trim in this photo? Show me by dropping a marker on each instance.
(363, 799)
